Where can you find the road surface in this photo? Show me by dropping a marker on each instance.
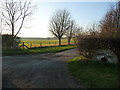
(38, 71)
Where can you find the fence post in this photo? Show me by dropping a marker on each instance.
(55, 43)
(30, 45)
(49, 43)
(23, 45)
(40, 44)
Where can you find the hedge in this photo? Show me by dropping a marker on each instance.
(88, 45)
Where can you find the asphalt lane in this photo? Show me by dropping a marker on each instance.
(36, 71)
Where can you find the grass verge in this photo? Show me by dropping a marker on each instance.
(94, 74)
(49, 49)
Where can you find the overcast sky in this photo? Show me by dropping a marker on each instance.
(84, 13)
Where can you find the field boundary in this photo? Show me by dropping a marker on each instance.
(42, 43)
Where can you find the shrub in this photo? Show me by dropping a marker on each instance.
(87, 45)
(7, 42)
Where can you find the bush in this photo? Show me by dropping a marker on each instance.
(88, 45)
(7, 42)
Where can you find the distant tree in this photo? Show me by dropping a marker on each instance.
(70, 31)
(77, 31)
(94, 30)
(60, 23)
(15, 13)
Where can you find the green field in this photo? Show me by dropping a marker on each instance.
(42, 42)
(94, 74)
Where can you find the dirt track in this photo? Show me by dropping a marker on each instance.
(38, 71)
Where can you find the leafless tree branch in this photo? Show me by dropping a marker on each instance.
(15, 12)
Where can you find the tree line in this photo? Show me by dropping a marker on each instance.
(102, 36)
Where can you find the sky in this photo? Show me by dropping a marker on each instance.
(84, 14)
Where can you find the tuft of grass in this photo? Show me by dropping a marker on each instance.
(94, 74)
(78, 58)
(47, 49)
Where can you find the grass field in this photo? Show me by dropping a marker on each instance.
(47, 49)
(94, 74)
(43, 42)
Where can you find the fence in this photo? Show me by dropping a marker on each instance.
(41, 44)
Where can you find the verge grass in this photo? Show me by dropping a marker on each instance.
(47, 49)
(94, 74)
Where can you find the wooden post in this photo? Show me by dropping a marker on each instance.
(55, 43)
(49, 43)
(40, 44)
(23, 45)
(30, 45)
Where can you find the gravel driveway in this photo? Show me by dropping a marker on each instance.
(38, 71)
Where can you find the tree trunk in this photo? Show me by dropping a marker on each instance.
(12, 41)
(59, 41)
(69, 41)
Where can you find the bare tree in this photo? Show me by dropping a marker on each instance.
(118, 14)
(60, 23)
(78, 31)
(94, 30)
(15, 13)
(110, 25)
(70, 31)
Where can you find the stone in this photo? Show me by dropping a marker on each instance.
(105, 56)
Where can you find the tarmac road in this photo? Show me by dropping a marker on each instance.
(37, 71)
